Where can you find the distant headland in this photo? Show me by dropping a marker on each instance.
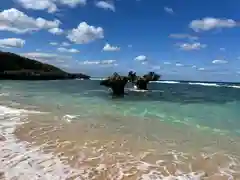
(16, 67)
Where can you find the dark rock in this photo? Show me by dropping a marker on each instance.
(117, 83)
(142, 82)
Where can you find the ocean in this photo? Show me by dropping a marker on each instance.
(75, 129)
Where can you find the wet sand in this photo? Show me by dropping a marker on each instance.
(101, 150)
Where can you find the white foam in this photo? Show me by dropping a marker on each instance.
(238, 87)
(19, 161)
(69, 117)
(155, 175)
(214, 85)
(137, 90)
(97, 79)
(204, 84)
(167, 82)
(4, 94)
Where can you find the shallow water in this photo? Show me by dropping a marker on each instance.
(75, 130)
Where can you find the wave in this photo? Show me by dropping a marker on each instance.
(215, 85)
(21, 162)
(234, 86)
(97, 79)
(205, 84)
(4, 94)
(167, 82)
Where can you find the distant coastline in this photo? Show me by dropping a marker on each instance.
(15, 67)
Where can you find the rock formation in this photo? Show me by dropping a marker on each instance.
(117, 83)
(142, 82)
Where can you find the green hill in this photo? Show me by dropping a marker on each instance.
(13, 66)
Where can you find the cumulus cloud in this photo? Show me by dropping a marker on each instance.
(12, 43)
(108, 47)
(141, 58)
(183, 36)
(62, 49)
(105, 5)
(56, 31)
(85, 33)
(16, 21)
(49, 5)
(168, 10)
(192, 46)
(210, 23)
(219, 61)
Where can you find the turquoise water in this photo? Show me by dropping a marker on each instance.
(176, 130)
(207, 107)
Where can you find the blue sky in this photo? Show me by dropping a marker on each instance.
(190, 39)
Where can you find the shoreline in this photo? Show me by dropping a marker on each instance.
(64, 139)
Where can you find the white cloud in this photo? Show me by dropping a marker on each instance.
(56, 31)
(219, 61)
(108, 47)
(100, 62)
(194, 66)
(105, 5)
(12, 42)
(49, 5)
(183, 36)
(47, 57)
(53, 43)
(222, 49)
(16, 21)
(179, 64)
(168, 10)
(209, 23)
(85, 33)
(65, 44)
(201, 69)
(141, 58)
(166, 63)
(190, 47)
(73, 3)
(62, 49)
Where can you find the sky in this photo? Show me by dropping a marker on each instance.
(181, 40)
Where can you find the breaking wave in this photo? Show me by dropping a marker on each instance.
(215, 85)
(205, 84)
(168, 82)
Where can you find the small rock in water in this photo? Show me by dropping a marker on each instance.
(2, 138)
